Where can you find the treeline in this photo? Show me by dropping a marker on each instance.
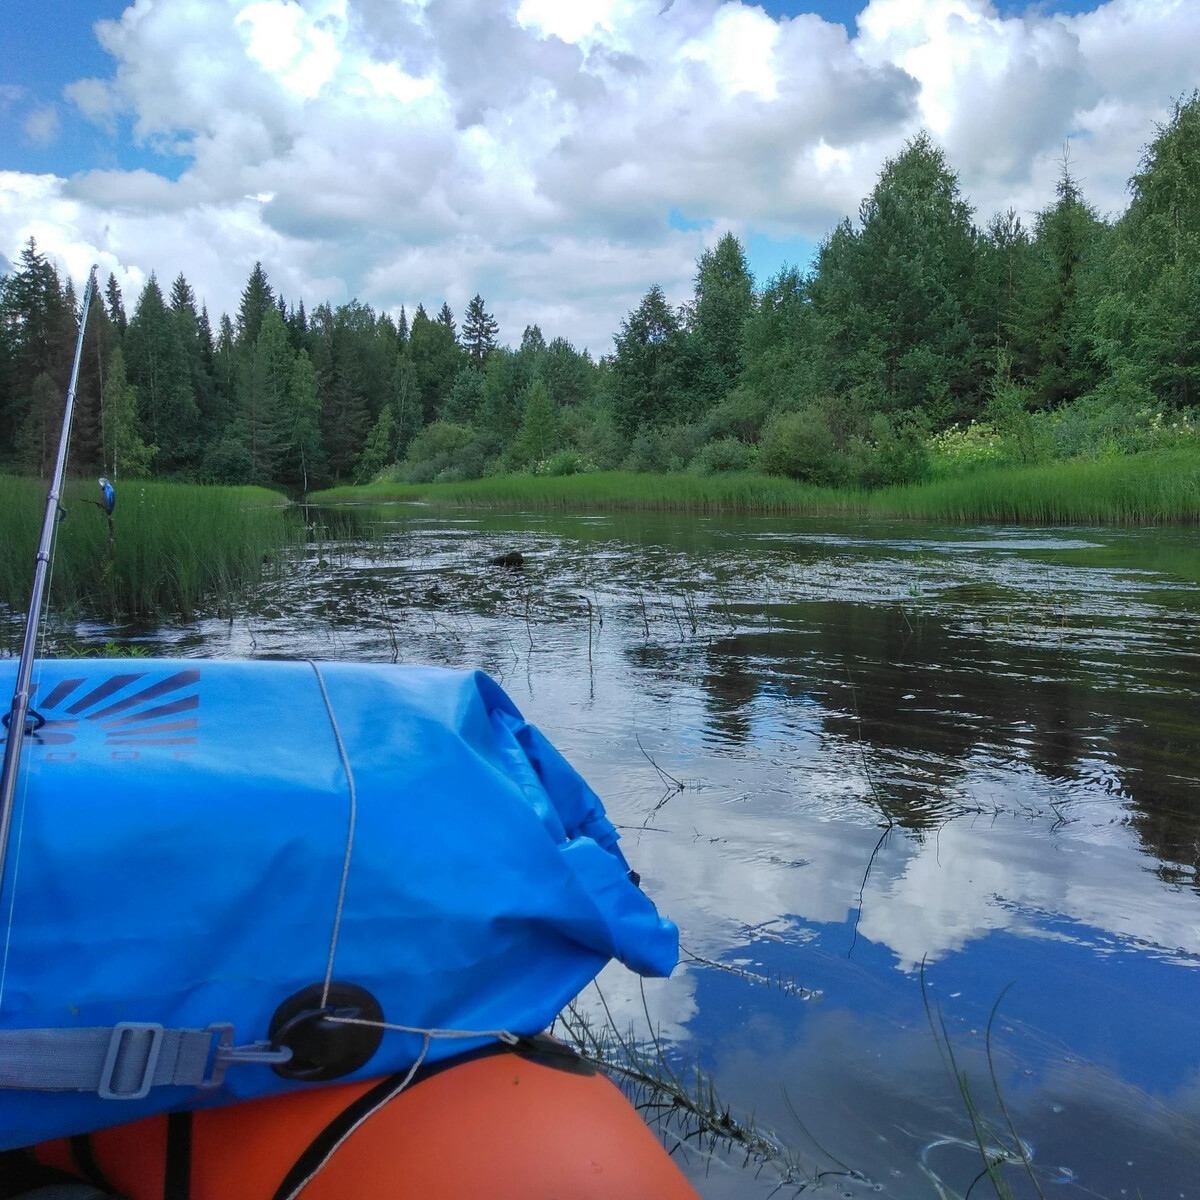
(917, 344)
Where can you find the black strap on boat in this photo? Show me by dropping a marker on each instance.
(177, 1176)
(21, 1175)
(540, 1049)
(319, 1150)
(83, 1159)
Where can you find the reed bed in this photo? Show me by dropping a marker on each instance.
(1153, 488)
(176, 548)
(1139, 489)
(619, 490)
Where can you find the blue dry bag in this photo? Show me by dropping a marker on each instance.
(187, 840)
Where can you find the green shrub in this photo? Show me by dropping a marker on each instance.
(801, 445)
(725, 454)
(895, 451)
(740, 415)
(965, 448)
(445, 452)
(565, 462)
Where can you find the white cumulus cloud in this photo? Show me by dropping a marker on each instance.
(535, 152)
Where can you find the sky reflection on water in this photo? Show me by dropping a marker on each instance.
(967, 756)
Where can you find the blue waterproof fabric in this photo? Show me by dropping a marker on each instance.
(178, 853)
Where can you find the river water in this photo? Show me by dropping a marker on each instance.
(906, 789)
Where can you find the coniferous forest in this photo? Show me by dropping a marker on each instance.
(918, 344)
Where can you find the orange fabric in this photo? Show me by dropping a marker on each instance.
(500, 1126)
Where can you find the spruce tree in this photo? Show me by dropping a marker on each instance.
(116, 306)
(257, 299)
(157, 366)
(40, 324)
(1065, 234)
(436, 358)
(465, 399)
(478, 333)
(648, 367)
(264, 383)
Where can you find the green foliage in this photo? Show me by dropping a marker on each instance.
(724, 300)
(478, 333)
(801, 445)
(257, 300)
(648, 372)
(961, 449)
(436, 359)
(466, 397)
(377, 453)
(263, 421)
(892, 299)
(725, 454)
(565, 462)
(670, 448)
(1145, 288)
(536, 438)
(916, 346)
(740, 415)
(1050, 317)
(157, 368)
(301, 453)
(126, 456)
(443, 450)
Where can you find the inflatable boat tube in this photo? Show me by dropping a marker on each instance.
(503, 1125)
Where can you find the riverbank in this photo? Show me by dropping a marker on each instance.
(1137, 489)
(175, 547)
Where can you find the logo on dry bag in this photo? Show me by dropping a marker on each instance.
(131, 710)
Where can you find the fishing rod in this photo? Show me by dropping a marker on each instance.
(19, 714)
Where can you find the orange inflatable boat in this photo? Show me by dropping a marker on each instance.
(534, 1123)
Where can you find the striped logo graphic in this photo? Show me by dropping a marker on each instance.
(129, 709)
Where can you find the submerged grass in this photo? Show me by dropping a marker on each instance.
(1158, 487)
(175, 547)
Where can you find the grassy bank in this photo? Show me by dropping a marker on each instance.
(1149, 488)
(176, 547)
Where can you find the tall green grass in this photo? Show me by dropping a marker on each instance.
(177, 548)
(1148, 488)
(1151, 488)
(618, 490)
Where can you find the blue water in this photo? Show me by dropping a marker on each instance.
(939, 796)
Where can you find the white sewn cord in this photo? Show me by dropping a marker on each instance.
(501, 1035)
(337, 918)
(358, 1124)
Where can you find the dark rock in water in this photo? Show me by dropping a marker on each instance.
(513, 559)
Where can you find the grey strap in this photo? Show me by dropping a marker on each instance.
(125, 1061)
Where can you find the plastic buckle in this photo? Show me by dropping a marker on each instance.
(216, 1076)
(227, 1054)
(113, 1057)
